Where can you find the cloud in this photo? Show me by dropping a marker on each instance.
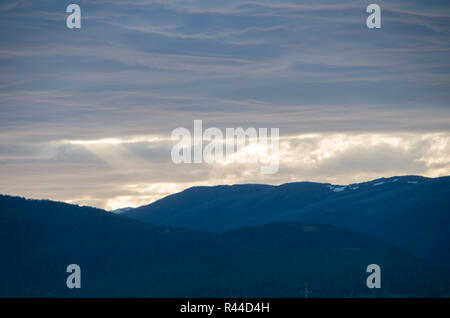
(133, 172)
(8, 6)
(86, 115)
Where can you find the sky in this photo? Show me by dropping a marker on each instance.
(86, 114)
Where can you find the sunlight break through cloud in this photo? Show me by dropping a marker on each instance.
(122, 172)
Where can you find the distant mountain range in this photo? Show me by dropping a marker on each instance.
(410, 212)
(254, 245)
(121, 210)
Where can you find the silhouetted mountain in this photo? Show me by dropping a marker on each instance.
(410, 212)
(123, 257)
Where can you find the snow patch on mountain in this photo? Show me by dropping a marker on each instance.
(336, 189)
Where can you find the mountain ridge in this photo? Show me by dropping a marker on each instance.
(122, 257)
(411, 212)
